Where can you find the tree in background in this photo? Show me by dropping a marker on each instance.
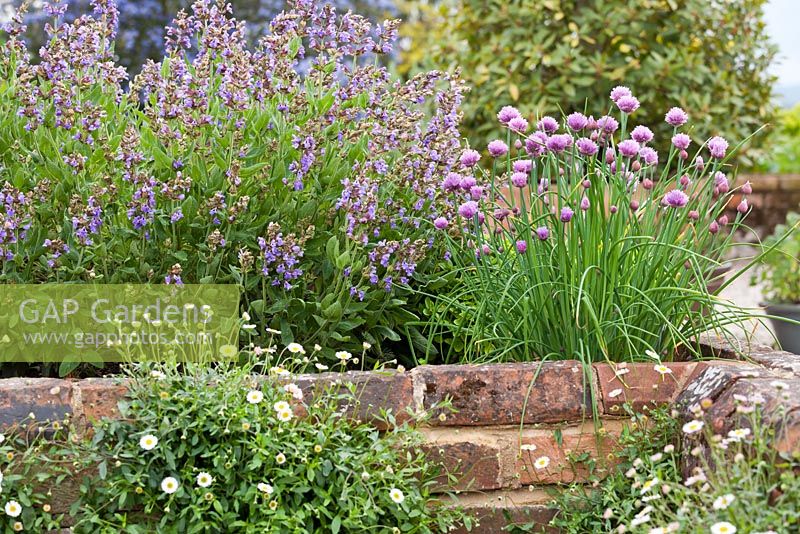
(708, 56)
(141, 22)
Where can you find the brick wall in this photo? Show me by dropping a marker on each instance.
(774, 195)
(509, 415)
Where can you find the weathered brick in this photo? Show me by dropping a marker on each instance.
(569, 455)
(374, 392)
(778, 360)
(494, 512)
(506, 394)
(710, 379)
(100, 397)
(48, 399)
(640, 385)
(472, 466)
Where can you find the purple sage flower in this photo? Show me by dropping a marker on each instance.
(676, 198)
(619, 92)
(718, 147)
(547, 124)
(507, 113)
(628, 104)
(586, 146)
(497, 148)
(642, 134)
(676, 117)
(577, 121)
(566, 214)
(681, 141)
(628, 148)
(470, 157)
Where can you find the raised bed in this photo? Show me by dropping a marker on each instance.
(503, 411)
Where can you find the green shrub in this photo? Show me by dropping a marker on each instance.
(711, 58)
(780, 268)
(783, 155)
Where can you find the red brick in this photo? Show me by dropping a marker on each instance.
(100, 397)
(710, 379)
(498, 394)
(48, 399)
(374, 392)
(473, 466)
(722, 415)
(563, 467)
(639, 385)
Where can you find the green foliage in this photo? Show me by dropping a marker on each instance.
(739, 479)
(711, 58)
(780, 268)
(242, 459)
(783, 155)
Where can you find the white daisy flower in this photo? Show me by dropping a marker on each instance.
(615, 393)
(280, 406)
(659, 530)
(285, 415)
(228, 351)
(662, 369)
(158, 375)
(13, 509)
(295, 348)
(254, 396)
(169, 485)
(640, 520)
(723, 501)
(738, 434)
(777, 384)
(263, 487)
(204, 480)
(541, 462)
(396, 495)
(321, 366)
(148, 442)
(343, 355)
(693, 427)
(294, 390)
(273, 331)
(653, 355)
(669, 448)
(648, 485)
(280, 458)
(530, 447)
(723, 527)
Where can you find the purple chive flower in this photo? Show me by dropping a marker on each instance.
(694, 215)
(518, 124)
(559, 142)
(522, 165)
(542, 233)
(470, 157)
(649, 156)
(619, 92)
(713, 227)
(676, 198)
(547, 124)
(718, 147)
(721, 182)
(742, 207)
(681, 141)
(585, 203)
(476, 192)
(577, 121)
(642, 134)
(634, 205)
(497, 148)
(676, 117)
(628, 104)
(467, 183)
(451, 182)
(699, 164)
(608, 124)
(723, 221)
(440, 223)
(535, 145)
(747, 188)
(468, 209)
(519, 179)
(586, 146)
(522, 246)
(628, 148)
(507, 113)
(566, 214)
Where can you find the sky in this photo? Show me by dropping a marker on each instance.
(783, 17)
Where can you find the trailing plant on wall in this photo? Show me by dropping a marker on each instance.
(298, 169)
